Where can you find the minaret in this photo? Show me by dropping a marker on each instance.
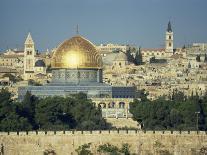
(29, 58)
(169, 39)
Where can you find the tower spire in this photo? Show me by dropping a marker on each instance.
(169, 27)
(29, 39)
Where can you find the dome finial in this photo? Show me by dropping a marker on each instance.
(77, 30)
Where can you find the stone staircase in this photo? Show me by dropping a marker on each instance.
(123, 123)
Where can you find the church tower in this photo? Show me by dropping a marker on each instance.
(29, 58)
(169, 39)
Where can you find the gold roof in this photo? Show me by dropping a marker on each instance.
(76, 52)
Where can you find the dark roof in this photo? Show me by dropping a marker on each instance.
(169, 27)
(39, 63)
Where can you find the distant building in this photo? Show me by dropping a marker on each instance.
(160, 52)
(200, 46)
(34, 65)
(77, 67)
(120, 60)
(105, 49)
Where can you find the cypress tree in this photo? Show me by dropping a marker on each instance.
(198, 58)
(138, 57)
(205, 59)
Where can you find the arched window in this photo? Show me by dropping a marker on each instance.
(169, 37)
(170, 44)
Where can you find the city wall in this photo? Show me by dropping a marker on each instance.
(66, 142)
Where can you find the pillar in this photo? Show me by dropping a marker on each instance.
(116, 106)
(126, 109)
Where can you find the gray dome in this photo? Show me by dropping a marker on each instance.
(39, 63)
(121, 56)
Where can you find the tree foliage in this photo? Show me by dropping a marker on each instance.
(129, 55)
(177, 113)
(84, 149)
(50, 113)
(114, 150)
(205, 58)
(198, 58)
(138, 57)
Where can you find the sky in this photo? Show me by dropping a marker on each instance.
(137, 22)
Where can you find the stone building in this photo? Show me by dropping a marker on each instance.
(120, 61)
(106, 49)
(161, 52)
(34, 65)
(77, 67)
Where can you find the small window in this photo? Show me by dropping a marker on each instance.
(170, 44)
(169, 37)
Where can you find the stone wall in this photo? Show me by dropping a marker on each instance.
(65, 142)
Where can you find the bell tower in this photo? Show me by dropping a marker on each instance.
(29, 57)
(169, 39)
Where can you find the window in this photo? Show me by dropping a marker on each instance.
(169, 44)
(169, 37)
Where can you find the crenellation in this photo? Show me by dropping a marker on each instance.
(103, 132)
(149, 142)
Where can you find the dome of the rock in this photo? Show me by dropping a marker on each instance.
(76, 52)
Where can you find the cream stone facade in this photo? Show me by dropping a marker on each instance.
(34, 65)
(160, 53)
(29, 58)
(110, 48)
(66, 142)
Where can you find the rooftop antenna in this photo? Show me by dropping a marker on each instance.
(77, 30)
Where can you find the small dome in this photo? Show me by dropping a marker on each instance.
(121, 56)
(39, 63)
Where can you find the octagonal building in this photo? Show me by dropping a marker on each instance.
(77, 67)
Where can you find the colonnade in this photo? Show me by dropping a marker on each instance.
(114, 107)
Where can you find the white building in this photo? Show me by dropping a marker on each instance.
(161, 52)
(110, 48)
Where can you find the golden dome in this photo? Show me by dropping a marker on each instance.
(76, 52)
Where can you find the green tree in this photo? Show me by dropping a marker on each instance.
(109, 149)
(129, 56)
(26, 108)
(176, 114)
(125, 149)
(9, 118)
(205, 58)
(198, 58)
(84, 149)
(138, 57)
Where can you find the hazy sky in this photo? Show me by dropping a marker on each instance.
(139, 22)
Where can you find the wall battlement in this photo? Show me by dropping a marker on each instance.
(112, 132)
(140, 142)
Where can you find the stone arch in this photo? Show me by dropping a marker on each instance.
(122, 105)
(102, 105)
(111, 104)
